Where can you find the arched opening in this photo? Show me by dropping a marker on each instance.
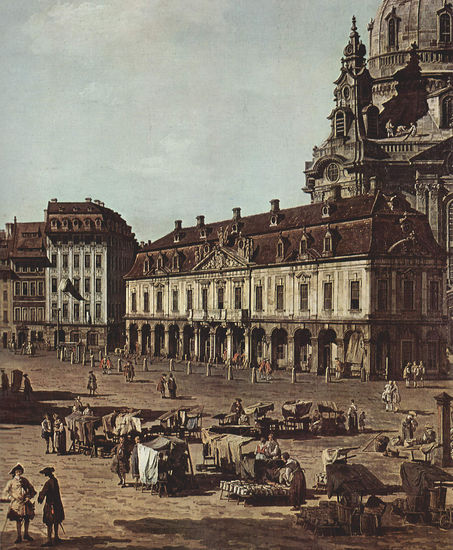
(238, 341)
(354, 352)
(383, 367)
(445, 28)
(279, 341)
(258, 346)
(220, 345)
(133, 338)
(146, 339)
(340, 124)
(392, 33)
(159, 340)
(302, 349)
(447, 112)
(205, 347)
(173, 341)
(21, 338)
(327, 350)
(188, 342)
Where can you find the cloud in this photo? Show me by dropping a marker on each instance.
(97, 92)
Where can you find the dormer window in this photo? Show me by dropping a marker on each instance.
(274, 220)
(176, 261)
(65, 223)
(326, 210)
(303, 247)
(76, 223)
(328, 243)
(160, 262)
(176, 237)
(87, 223)
(203, 233)
(280, 249)
(392, 33)
(146, 266)
(445, 27)
(340, 124)
(99, 223)
(54, 223)
(235, 228)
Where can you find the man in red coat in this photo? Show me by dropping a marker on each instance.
(53, 512)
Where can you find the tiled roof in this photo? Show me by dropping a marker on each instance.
(28, 240)
(367, 225)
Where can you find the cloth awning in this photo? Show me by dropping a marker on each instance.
(296, 408)
(165, 443)
(259, 408)
(327, 407)
(352, 479)
(417, 477)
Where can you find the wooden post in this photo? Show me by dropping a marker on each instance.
(208, 369)
(293, 376)
(172, 365)
(145, 364)
(72, 357)
(443, 408)
(253, 379)
(189, 368)
(84, 358)
(100, 355)
(92, 361)
(229, 372)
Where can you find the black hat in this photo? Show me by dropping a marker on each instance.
(47, 471)
(238, 399)
(25, 374)
(16, 467)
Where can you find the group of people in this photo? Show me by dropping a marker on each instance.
(106, 365)
(54, 434)
(414, 373)
(20, 492)
(129, 371)
(265, 370)
(6, 386)
(167, 385)
(391, 396)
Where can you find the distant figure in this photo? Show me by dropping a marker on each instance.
(5, 383)
(131, 373)
(171, 385)
(19, 491)
(77, 407)
(395, 396)
(47, 433)
(87, 411)
(262, 369)
(338, 368)
(108, 364)
(429, 435)
(268, 370)
(260, 451)
(407, 373)
(409, 426)
(59, 434)
(272, 448)
(120, 462)
(161, 385)
(103, 365)
(293, 475)
(362, 420)
(53, 511)
(417, 375)
(387, 397)
(92, 383)
(134, 460)
(352, 418)
(422, 372)
(28, 390)
(237, 410)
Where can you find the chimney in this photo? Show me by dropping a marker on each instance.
(53, 200)
(101, 203)
(149, 242)
(236, 214)
(200, 221)
(96, 201)
(142, 244)
(178, 225)
(88, 199)
(9, 229)
(275, 205)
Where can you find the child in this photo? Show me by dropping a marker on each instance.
(362, 417)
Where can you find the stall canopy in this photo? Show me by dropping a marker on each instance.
(417, 477)
(296, 408)
(260, 408)
(352, 479)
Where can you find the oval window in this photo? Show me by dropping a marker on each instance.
(346, 93)
(333, 172)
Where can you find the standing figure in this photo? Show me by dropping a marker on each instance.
(236, 410)
(352, 418)
(59, 435)
(161, 385)
(171, 385)
(28, 390)
(87, 411)
(293, 475)
(409, 426)
(395, 396)
(53, 511)
(327, 374)
(421, 374)
(272, 448)
(262, 369)
(47, 433)
(131, 372)
(268, 370)
(126, 371)
(387, 397)
(92, 383)
(108, 364)
(407, 374)
(19, 491)
(415, 374)
(337, 368)
(5, 383)
(362, 419)
(120, 462)
(134, 460)
(103, 365)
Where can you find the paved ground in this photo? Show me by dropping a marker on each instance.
(101, 515)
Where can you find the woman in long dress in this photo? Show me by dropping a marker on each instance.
(120, 463)
(59, 435)
(395, 396)
(293, 475)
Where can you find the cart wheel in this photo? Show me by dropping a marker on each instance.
(444, 522)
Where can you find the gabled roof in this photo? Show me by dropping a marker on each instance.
(28, 241)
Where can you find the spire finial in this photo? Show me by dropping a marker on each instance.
(354, 21)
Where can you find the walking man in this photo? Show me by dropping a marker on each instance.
(171, 385)
(92, 383)
(352, 418)
(47, 433)
(19, 491)
(53, 511)
(28, 390)
(162, 385)
(407, 374)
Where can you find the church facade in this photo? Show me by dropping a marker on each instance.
(357, 275)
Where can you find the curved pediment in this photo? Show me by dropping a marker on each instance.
(220, 258)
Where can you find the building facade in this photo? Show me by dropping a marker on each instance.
(392, 122)
(6, 301)
(90, 247)
(361, 279)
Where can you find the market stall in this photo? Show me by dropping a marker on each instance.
(296, 415)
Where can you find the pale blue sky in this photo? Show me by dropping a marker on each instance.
(166, 109)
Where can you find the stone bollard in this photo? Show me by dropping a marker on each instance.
(63, 354)
(253, 379)
(100, 355)
(208, 369)
(189, 368)
(171, 365)
(92, 361)
(84, 359)
(145, 364)
(105, 350)
(229, 372)
(72, 357)
(293, 376)
(119, 364)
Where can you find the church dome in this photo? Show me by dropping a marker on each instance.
(399, 24)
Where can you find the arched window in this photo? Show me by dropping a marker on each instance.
(280, 250)
(447, 112)
(392, 33)
(340, 126)
(176, 261)
(372, 118)
(445, 28)
(303, 245)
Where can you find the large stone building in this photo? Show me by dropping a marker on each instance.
(392, 123)
(361, 279)
(6, 301)
(90, 248)
(360, 273)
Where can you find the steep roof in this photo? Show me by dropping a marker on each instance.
(28, 241)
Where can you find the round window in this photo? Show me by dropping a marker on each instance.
(333, 172)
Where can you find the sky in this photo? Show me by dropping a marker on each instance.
(166, 109)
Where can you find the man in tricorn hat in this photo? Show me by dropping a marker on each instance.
(19, 491)
(92, 383)
(53, 512)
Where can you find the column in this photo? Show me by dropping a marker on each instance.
(291, 351)
(314, 355)
(229, 340)
(197, 341)
(443, 409)
(340, 349)
(367, 357)
(212, 344)
(152, 341)
(247, 346)
(166, 341)
(139, 340)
